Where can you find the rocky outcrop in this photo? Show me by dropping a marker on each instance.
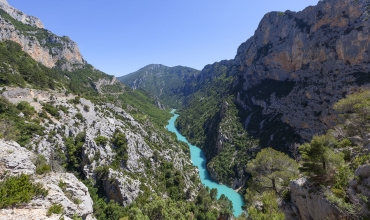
(308, 204)
(20, 16)
(42, 45)
(15, 160)
(359, 189)
(104, 119)
(71, 194)
(298, 64)
(99, 85)
(288, 75)
(120, 188)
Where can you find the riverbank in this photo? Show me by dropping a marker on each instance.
(198, 159)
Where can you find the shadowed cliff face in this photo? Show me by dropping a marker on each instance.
(284, 79)
(297, 65)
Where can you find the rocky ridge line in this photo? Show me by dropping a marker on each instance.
(42, 45)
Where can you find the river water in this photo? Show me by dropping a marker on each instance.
(199, 160)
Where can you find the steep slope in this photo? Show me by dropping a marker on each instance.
(111, 139)
(284, 79)
(167, 83)
(42, 45)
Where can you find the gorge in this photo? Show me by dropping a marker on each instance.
(199, 160)
(285, 123)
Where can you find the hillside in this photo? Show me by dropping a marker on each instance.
(285, 79)
(75, 143)
(167, 83)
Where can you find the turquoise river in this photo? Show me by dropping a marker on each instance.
(199, 160)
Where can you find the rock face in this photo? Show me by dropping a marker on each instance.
(308, 204)
(298, 64)
(359, 189)
(42, 45)
(288, 75)
(104, 119)
(120, 188)
(20, 16)
(15, 160)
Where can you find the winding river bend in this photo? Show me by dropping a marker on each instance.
(199, 160)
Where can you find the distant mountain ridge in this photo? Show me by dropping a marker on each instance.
(74, 118)
(281, 85)
(167, 83)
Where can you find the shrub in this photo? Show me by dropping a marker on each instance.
(62, 185)
(101, 140)
(43, 169)
(41, 166)
(360, 160)
(340, 202)
(19, 189)
(26, 108)
(55, 209)
(77, 201)
(79, 116)
(76, 217)
(52, 110)
(86, 108)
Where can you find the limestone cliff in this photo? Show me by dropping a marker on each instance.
(42, 45)
(15, 160)
(298, 64)
(144, 160)
(287, 76)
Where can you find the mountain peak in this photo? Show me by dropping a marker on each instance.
(20, 16)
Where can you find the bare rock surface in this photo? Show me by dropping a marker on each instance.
(20, 16)
(120, 188)
(63, 188)
(359, 188)
(309, 204)
(50, 51)
(15, 159)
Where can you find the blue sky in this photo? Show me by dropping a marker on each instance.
(122, 36)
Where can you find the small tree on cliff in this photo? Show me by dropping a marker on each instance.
(271, 170)
(320, 162)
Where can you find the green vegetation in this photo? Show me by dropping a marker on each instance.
(51, 110)
(101, 140)
(166, 83)
(144, 107)
(42, 35)
(159, 208)
(13, 127)
(233, 156)
(41, 166)
(55, 209)
(74, 151)
(19, 189)
(19, 69)
(211, 113)
(328, 161)
(120, 147)
(269, 210)
(271, 170)
(320, 162)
